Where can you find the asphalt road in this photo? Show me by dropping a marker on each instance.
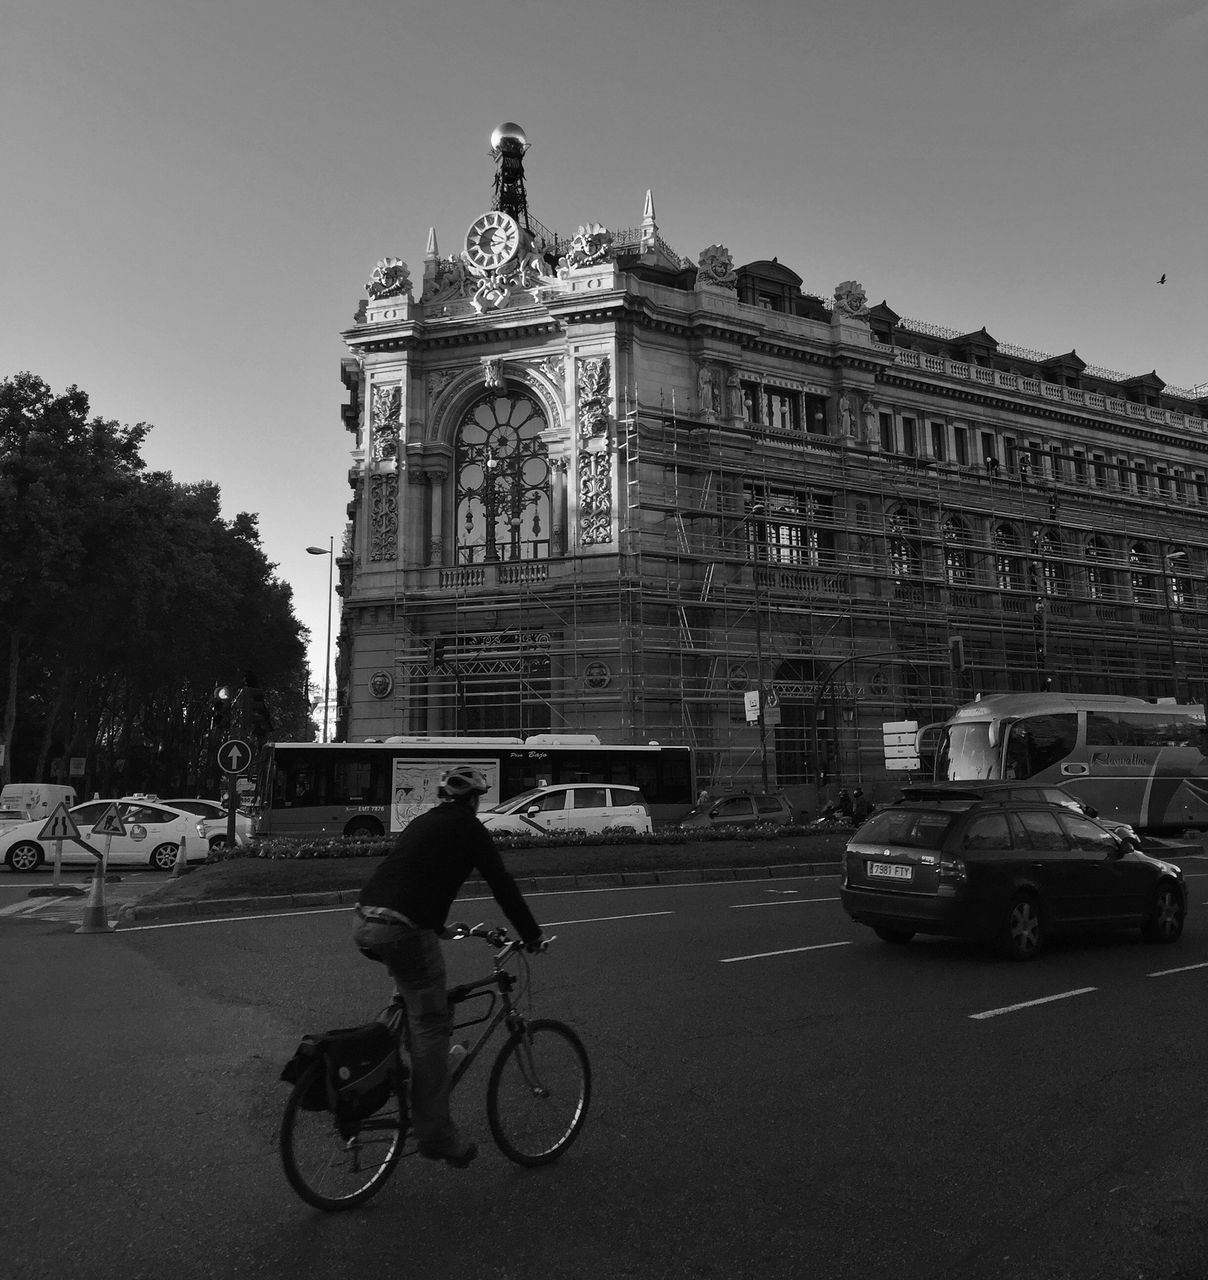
(777, 1094)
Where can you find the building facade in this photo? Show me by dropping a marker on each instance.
(601, 488)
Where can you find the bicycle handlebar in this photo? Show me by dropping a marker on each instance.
(497, 937)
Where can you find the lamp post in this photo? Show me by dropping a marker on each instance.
(330, 553)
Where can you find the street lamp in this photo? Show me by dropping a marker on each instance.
(331, 560)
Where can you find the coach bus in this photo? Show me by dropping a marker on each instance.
(1135, 761)
(373, 788)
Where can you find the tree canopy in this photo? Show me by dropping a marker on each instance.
(126, 601)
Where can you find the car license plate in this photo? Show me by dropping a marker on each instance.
(890, 870)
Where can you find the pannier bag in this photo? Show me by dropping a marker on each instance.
(348, 1054)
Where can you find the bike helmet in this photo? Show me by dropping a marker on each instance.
(462, 781)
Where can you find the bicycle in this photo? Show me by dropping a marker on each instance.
(346, 1120)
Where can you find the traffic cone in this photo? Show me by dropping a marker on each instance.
(181, 865)
(95, 919)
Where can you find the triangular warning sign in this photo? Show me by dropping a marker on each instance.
(110, 823)
(60, 825)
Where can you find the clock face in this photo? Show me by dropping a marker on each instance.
(492, 240)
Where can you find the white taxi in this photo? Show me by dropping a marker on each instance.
(153, 832)
(594, 807)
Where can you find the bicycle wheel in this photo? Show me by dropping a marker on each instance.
(538, 1092)
(336, 1167)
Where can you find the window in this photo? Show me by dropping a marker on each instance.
(1080, 466)
(789, 527)
(1123, 475)
(1098, 578)
(1008, 575)
(989, 831)
(734, 808)
(503, 494)
(782, 409)
(1043, 831)
(1200, 486)
(1141, 574)
(1050, 566)
(1040, 742)
(910, 446)
(888, 443)
(1178, 581)
(1088, 837)
(1142, 475)
(1099, 470)
(1162, 479)
(939, 442)
(956, 558)
(590, 798)
(905, 545)
(989, 448)
(1056, 462)
(961, 440)
(752, 401)
(1009, 453)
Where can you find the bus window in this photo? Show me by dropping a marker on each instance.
(1040, 742)
(1125, 729)
(965, 753)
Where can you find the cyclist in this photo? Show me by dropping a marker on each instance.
(401, 911)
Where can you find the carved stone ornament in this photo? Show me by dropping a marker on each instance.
(383, 516)
(597, 675)
(387, 411)
(593, 391)
(716, 268)
(850, 299)
(381, 683)
(390, 278)
(492, 372)
(591, 245)
(450, 281)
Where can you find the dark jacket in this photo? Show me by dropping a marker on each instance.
(430, 861)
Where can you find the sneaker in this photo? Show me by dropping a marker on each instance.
(460, 1158)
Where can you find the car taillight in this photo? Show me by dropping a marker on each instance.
(953, 871)
(201, 829)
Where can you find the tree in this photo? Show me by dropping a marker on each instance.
(125, 601)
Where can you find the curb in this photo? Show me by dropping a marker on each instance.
(200, 908)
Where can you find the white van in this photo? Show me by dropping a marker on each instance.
(36, 798)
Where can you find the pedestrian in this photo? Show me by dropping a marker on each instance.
(860, 808)
(845, 804)
(401, 913)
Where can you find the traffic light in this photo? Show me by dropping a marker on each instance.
(220, 711)
(262, 722)
(957, 646)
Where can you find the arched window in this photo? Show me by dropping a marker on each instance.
(905, 544)
(1143, 574)
(503, 480)
(1098, 577)
(955, 533)
(1008, 565)
(1048, 566)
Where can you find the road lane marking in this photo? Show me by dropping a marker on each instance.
(791, 951)
(637, 915)
(1186, 968)
(37, 904)
(780, 902)
(1028, 1004)
(320, 911)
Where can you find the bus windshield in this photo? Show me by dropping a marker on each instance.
(965, 753)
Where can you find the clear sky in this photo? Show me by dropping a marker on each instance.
(195, 194)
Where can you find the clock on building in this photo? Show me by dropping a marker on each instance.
(492, 241)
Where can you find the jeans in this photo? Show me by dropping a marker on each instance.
(417, 965)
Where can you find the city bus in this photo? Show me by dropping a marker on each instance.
(374, 788)
(1134, 761)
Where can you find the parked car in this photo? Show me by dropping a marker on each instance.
(212, 829)
(1015, 871)
(152, 837)
(577, 806)
(741, 809)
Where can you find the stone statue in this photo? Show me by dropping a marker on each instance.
(390, 278)
(850, 300)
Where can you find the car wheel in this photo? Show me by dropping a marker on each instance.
(1023, 931)
(1165, 923)
(217, 844)
(364, 827)
(25, 856)
(163, 857)
(897, 936)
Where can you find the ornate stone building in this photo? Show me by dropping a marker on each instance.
(600, 487)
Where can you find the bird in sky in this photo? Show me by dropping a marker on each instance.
(1163, 279)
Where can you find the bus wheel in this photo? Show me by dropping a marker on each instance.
(360, 828)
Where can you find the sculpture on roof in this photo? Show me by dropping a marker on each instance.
(390, 278)
(851, 302)
(716, 268)
(591, 245)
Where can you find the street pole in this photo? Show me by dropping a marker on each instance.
(331, 561)
(1166, 572)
